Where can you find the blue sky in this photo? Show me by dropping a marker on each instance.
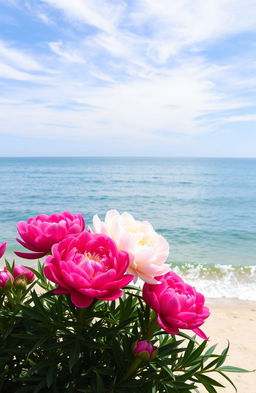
(141, 77)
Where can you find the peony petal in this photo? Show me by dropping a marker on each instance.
(26, 245)
(80, 282)
(187, 316)
(175, 322)
(29, 255)
(110, 215)
(168, 328)
(52, 273)
(147, 278)
(126, 242)
(119, 283)
(56, 231)
(112, 296)
(2, 248)
(200, 333)
(150, 298)
(123, 260)
(99, 226)
(80, 301)
(169, 305)
(93, 293)
(103, 278)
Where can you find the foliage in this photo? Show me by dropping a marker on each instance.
(49, 345)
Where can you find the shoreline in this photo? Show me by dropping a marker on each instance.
(224, 284)
(229, 302)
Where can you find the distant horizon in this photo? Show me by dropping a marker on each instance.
(113, 156)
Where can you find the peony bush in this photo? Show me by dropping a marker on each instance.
(78, 323)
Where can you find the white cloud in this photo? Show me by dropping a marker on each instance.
(18, 58)
(181, 24)
(9, 72)
(139, 108)
(143, 73)
(71, 55)
(99, 13)
(45, 18)
(241, 118)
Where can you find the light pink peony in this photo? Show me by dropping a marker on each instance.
(27, 274)
(143, 349)
(5, 279)
(148, 251)
(2, 249)
(40, 233)
(177, 304)
(88, 267)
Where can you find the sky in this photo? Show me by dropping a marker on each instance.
(128, 78)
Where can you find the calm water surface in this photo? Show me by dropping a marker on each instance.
(206, 208)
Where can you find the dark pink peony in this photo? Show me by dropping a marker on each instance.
(143, 349)
(39, 234)
(22, 271)
(88, 267)
(177, 304)
(5, 278)
(2, 249)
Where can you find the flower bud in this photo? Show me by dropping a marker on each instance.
(2, 249)
(20, 283)
(6, 280)
(24, 272)
(144, 350)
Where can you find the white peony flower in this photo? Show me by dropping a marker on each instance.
(148, 251)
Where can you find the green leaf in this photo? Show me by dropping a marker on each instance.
(208, 380)
(100, 384)
(74, 354)
(168, 371)
(223, 356)
(39, 386)
(206, 384)
(51, 375)
(194, 355)
(167, 349)
(210, 351)
(231, 369)
(211, 364)
(228, 379)
(188, 351)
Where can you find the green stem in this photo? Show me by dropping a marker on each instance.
(152, 327)
(132, 369)
(80, 319)
(10, 300)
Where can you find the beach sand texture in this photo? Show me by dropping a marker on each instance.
(234, 321)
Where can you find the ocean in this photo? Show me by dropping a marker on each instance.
(204, 207)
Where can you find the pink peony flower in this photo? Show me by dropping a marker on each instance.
(40, 233)
(22, 271)
(88, 267)
(143, 349)
(148, 251)
(5, 279)
(177, 304)
(2, 249)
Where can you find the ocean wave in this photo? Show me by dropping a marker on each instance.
(217, 281)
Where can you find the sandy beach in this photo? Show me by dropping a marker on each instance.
(235, 321)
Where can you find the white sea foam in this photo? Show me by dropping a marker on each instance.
(221, 280)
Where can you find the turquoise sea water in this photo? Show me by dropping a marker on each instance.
(206, 208)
